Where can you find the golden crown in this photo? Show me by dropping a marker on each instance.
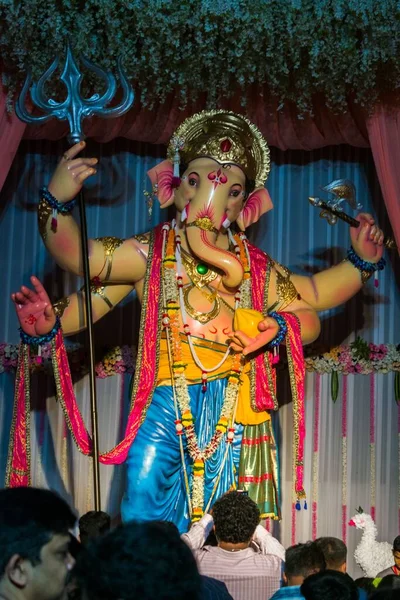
(225, 136)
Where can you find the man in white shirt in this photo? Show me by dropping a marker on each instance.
(247, 559)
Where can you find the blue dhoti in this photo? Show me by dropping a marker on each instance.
(155, 478)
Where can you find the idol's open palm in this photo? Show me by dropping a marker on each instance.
(34, 309)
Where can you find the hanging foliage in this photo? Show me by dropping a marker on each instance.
(296, 48)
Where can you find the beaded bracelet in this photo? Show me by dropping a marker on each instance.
(280, 336)
(41, 339)
(58, 207)
(366, 268)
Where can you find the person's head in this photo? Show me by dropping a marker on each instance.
(389, 582)
(92, 524)
(396, 551)
(236, 517)
(138, 560)
(365, 583)
(385, 595)
(301, 561)
(34, 543)
(335, 553)
(329, 585)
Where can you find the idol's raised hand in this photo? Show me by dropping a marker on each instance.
(367, 238)
(34, 310)
(70, 174)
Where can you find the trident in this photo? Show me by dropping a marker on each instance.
(75, 109)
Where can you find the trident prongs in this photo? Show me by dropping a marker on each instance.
(74, 108)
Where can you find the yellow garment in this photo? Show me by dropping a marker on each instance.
(247, 320)
(210, 353)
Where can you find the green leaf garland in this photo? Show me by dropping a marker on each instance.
(293, 50)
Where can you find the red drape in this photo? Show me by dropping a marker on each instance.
(281, 126)
(11, 131)
(384, 135)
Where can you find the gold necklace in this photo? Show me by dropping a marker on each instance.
(199, 273)
(202, 317)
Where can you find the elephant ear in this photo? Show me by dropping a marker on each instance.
(161, 177)
(258, 203)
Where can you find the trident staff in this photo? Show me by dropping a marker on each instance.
(75, 109)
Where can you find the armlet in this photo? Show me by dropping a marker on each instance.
(110, 244)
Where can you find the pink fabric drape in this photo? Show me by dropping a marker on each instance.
(281, 126)
(384, 136)
(11, 131)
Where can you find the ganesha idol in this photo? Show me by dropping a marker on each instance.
(215, 310)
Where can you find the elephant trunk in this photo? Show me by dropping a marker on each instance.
(202, 241)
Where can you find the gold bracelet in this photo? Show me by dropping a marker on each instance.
(44, 212)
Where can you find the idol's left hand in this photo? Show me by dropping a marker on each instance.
(268, 328)
(367, 238)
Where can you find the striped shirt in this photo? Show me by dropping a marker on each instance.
(248, 574)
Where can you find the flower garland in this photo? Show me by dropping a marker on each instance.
(358, 357)
(174, 307)
(116, 361)
(382, 358)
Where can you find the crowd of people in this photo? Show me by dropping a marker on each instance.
(227, 554)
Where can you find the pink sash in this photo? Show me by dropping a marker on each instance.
(263, 376)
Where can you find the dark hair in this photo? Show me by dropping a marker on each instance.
(138, 560)
(365, 583)
(385, 595)
(74, 546)
(92, 524)
(302, 560)
(236, 517)
(396, 544)
(329, 585)
(29, 517)
(334, 550)
(389, 582)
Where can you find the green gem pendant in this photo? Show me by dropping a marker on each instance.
(202, 269)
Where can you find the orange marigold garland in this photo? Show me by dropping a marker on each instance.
(172, 283)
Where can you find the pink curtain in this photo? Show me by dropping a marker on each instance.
(281, 126)
(11, 131)
(384, 136)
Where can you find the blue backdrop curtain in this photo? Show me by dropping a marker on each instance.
(292, 234)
